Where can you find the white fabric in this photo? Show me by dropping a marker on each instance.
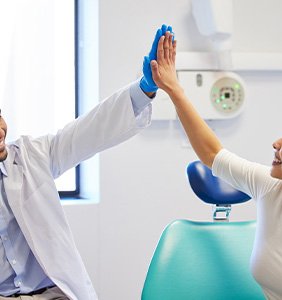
(255, 180)
(32, 195)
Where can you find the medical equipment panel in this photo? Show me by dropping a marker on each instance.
(215, 94)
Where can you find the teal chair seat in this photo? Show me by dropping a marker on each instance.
(203, 261)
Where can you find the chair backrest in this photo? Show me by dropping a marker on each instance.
(204, 260)
(212, 189)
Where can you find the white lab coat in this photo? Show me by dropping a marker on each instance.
(33, 163)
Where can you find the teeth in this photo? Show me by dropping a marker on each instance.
(277, 156)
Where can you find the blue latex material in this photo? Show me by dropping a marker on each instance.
(211, 189)
(147, 83)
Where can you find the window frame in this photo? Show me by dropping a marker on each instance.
(64, 195)
(86, 29)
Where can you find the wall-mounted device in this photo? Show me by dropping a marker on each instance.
(214, 19)
(215, 95)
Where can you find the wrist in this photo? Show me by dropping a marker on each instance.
(175, 91)
(150, 94)
(146, 87)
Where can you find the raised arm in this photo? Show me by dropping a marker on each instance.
(202, 138)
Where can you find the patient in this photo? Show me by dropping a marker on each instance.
(262, 183)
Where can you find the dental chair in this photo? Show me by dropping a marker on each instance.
(205, 260)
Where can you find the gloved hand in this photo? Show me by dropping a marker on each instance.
(147, 83)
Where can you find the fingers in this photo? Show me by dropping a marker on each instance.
(165, 29)
(160, 51)
(166, 48)
(166, 45)
(170, 45)
(153, 52)
(169, 28)
(174, 44)
(155, 69)
(160, 32)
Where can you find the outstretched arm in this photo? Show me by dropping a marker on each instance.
(202, 138)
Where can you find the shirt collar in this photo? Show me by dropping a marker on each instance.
(3, 169)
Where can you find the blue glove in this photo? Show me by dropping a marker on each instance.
(147, 83)
(160, 32)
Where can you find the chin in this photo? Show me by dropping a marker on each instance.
(276, 172)
(3, 155)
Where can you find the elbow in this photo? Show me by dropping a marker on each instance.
(208, 159)
(207, 162)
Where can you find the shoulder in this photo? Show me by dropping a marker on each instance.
(31, 144)
(250, 177)
(226, 159)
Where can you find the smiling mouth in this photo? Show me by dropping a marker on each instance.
(276, 162)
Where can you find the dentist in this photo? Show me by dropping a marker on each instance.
(38, 256)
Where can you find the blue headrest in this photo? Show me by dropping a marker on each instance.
(212, 189)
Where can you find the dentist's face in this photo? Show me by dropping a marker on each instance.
(276, 170)
(3, 132)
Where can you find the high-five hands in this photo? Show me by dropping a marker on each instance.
(163, 68)
(147, 83)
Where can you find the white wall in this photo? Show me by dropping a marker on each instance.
(143, 181)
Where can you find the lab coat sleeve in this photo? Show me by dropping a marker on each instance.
(139, 99)
(111, 122)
